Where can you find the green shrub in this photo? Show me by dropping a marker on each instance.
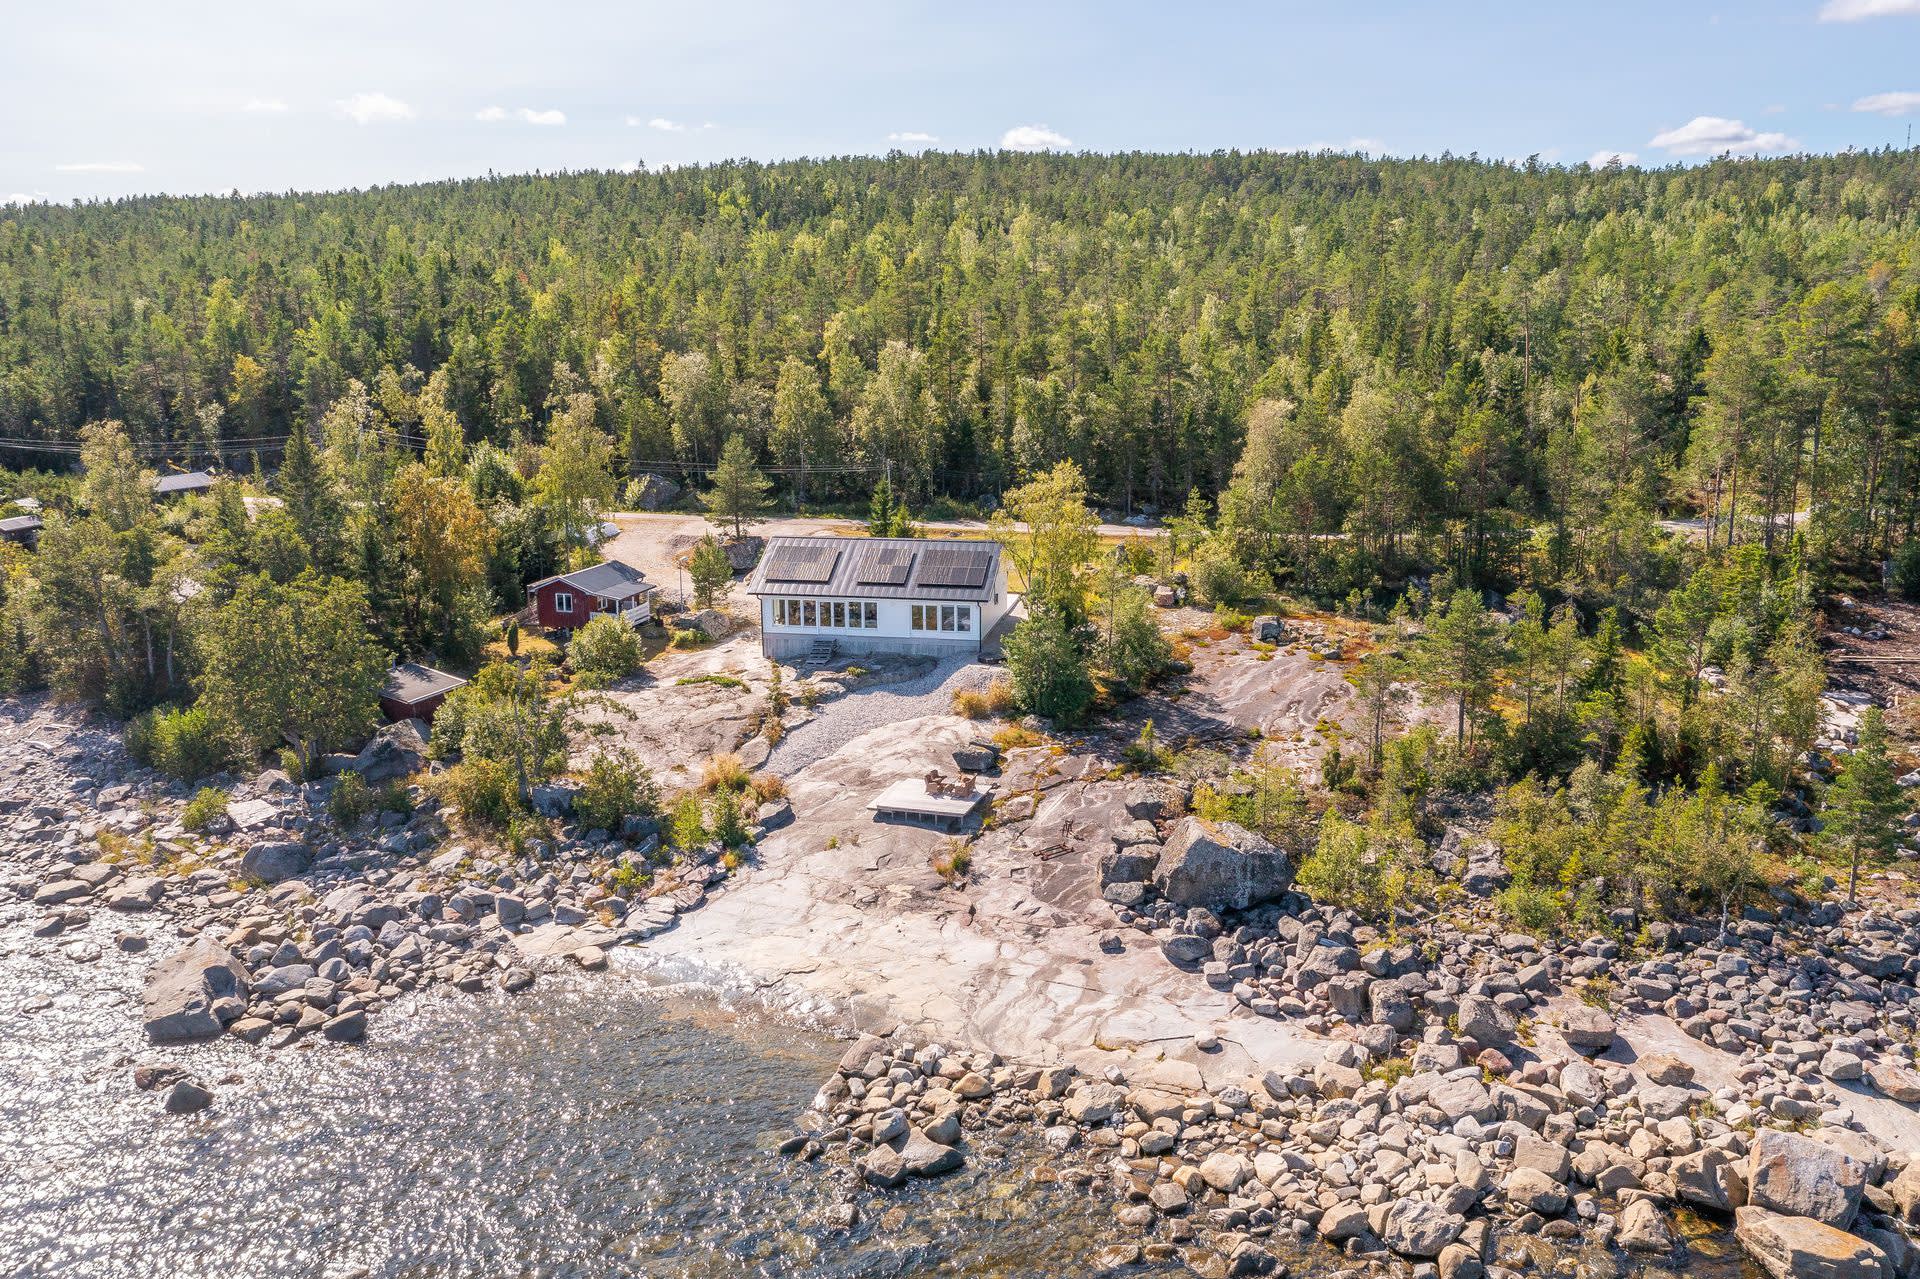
(351, 800)
(617, 786)
(687, 828)
(205, 808)
(482, 789)
(729, 822)
(606, 649)
(182, 743)
(1905, 579)
(1531, 908)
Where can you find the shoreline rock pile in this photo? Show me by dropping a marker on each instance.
(294, 929)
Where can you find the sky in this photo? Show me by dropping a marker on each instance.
(113, 97)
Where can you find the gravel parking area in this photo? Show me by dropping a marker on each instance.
(839, 721)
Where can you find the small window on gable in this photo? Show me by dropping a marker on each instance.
(563, 601)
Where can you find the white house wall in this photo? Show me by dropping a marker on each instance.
(893, 631)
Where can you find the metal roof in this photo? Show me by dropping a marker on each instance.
(21, 524)
(185, 482)
(411, 683)
(872, 568)
(609, 579)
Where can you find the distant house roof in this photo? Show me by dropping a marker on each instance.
(27, 503)
(410, 683)
(21, 524)
(878, 568)
(185, 482)
(609, 579)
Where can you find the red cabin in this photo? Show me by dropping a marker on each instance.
(570, 600)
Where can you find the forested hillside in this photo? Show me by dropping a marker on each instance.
(1465, 358)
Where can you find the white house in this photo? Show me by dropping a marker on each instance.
(880, 594)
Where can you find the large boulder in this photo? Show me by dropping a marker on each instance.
(1800, 1177)
(1221, 866)
(1801, 1248)
(555, 799)
(1485, 1022)
(276, 860)
(744, 552)
(1416, 1228)
(397, 750)
(976, 757)
(1711, 1180)
(188, 993)
(652, 493)
(710, 622)
(1585, 1028)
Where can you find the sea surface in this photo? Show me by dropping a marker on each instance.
(594, 1127)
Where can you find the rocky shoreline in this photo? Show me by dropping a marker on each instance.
(294, 929)
(1483, 1104)
(1477, 1110)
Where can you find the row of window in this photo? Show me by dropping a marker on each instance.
(842, 614)
(942, 617)
(865, 615)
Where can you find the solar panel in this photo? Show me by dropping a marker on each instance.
(888, 566)
(963, 566)
(802, 564)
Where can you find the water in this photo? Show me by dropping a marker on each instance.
(596, 1127)
(592, 1129)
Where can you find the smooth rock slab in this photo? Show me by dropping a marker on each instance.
(1802, 1248)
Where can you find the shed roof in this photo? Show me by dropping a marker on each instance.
(609, 579)
(21, 524)
(879, 568)
(185, 482)
(410, 683)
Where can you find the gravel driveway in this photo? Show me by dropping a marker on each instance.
(839, 721)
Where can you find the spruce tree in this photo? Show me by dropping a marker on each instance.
(1862, 813)
(739, 492)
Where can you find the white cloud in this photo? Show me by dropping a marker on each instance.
(526, 115)
(1033, 137)
(1860, 10)
(373, 108)
(1897, 103)
(264, 106)
(101, 166)
(24, 197)
(664, 125)
(911, 135)
(1712, 134)
(1601, 159)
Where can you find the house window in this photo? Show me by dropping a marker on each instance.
(563, 601)
(840, 614)
(873, 615)
(963, 616)
(919, 617)
(807, 611)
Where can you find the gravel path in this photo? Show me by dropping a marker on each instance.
(839, 721)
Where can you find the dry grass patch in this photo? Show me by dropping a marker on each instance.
(984, 703)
